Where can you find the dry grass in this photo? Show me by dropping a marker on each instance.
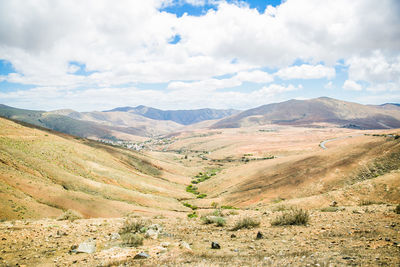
(246, 223)
(292, 217)
(70, 215)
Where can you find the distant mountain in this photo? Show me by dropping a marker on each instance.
(319, 110)
(185, 117)
(393, 106)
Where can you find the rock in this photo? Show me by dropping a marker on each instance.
(333, 204)
(233, 235)
(161, 249)
(215, 245)
(153, 234)
(259, 235)
(115, 236)
(141, 255)
(156, 227)
(185, 245)
(86, 247)
(165, 244)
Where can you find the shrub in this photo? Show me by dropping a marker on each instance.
(70, 215)
(132, 240)
(192, 215)
(219, 221)
(366, 202)
(228, 208)
(247, 223)
(202, 196)
(330, 209)
(397, 209)
(133, 226)
(292, 217)
(193, 207)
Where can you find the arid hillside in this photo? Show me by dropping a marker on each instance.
(44, 173)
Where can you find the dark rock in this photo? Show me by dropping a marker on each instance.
(141, 255)
(387, 239)
(233, 235)
(259, 235)
(215, 245)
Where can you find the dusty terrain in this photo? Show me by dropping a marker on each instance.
(353, 235)
(254, 172)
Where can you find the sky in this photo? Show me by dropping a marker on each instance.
(186, 54)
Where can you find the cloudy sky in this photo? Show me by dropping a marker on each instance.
(183, 54)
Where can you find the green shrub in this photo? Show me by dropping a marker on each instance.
(228, 208)
(192, 189)
(192, 215)
(70, 215)
(132, 240)
(193, 207)
(292, 217)
(202, 196)
(247, 223)
(397, 209)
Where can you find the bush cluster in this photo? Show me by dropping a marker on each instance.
(247, 223)
(292, 217)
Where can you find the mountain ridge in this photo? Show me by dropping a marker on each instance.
(317, 110)
(184, 117)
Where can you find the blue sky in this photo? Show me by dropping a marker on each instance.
(186, 54)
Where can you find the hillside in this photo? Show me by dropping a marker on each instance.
(185, 117)
(44, 173)
(319, 110)
(123, 122)
(91, 125)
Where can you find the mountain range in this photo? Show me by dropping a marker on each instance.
(136, 123)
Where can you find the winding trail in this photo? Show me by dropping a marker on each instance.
(322, 144)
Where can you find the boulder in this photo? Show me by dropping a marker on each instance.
(141, 255)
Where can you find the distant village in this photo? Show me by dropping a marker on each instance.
(151, 144)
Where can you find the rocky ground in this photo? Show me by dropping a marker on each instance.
(355, 235)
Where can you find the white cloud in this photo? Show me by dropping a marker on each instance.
(352, 85)
(329, 85)
(128, 43)
(256, 76)
(380, 71)
(306, 72)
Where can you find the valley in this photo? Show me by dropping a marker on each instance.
(59, 190)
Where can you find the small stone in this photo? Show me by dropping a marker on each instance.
(4, 238)
(141, 255)
(233, 235)
(333, 204)
(161, 249)
(387, 239)
(259, 235)
(185, 245)
(153, 234)
(115, 236)
(215, 245)
(86, 247)
(165, 244)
